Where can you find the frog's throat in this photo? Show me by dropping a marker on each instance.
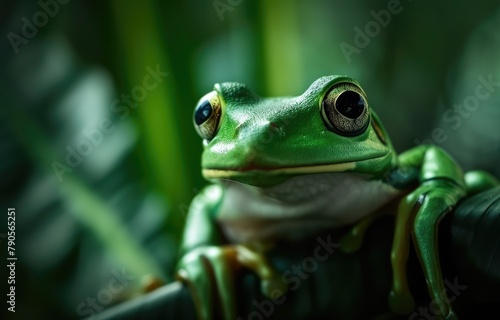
(335, 167)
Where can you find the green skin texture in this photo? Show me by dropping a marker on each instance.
(241, 150)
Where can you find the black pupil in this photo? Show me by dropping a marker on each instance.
(350, 104)
(203, 112)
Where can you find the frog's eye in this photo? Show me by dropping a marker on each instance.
(345, 109)
(207, 115)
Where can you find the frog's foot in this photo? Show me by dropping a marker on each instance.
(213, 269)
(150, 283)
(478, 181)
(352, 241)
(419, 214)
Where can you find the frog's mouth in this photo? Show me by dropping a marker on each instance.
(231, 174)
(260, 176)
(266, 177)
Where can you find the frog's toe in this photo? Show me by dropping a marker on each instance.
(206, 270)
(351, 242)
(273, 287)
(401, 302)
(222, 262)
(150, 283)
(194, 275)
(271, 283)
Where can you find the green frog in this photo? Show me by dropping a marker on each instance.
(285, 168)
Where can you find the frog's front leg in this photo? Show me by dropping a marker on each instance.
(210, 264)
(440, 186)
(213, 269)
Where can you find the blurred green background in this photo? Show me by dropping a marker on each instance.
(98, 152)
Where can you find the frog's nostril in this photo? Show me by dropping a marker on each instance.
(276, 128)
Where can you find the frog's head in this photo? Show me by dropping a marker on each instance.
(264, 141)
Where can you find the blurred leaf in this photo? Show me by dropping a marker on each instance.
(157, 113)
(98, 220)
